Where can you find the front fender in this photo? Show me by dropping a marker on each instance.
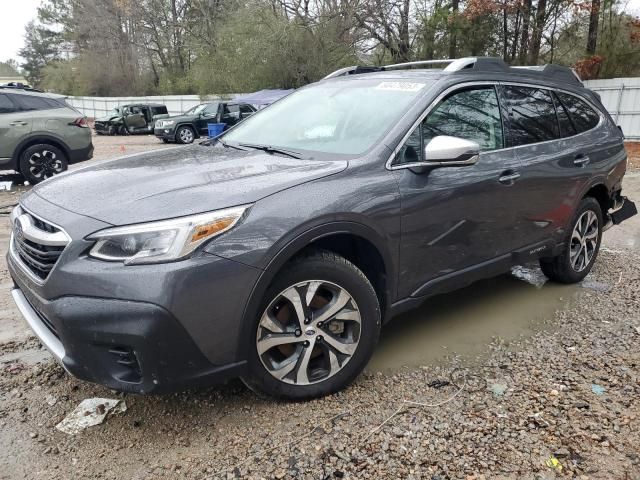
(282, 254)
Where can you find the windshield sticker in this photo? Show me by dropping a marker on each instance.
(400, 86)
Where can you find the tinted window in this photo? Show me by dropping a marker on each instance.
(246, 109)
(6, 105)
(532, 115)
(566, 124)
(30, 102)
(469, 114)
(211, 109)
(583, 116)
(159, 110)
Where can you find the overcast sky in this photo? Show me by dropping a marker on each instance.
(17, 13)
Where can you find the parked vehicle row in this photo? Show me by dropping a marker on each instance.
(193, 123)
(276, 252)
(40, 134)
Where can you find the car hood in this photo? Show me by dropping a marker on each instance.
(181, 118)
(178, 181)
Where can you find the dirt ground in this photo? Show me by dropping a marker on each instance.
(509, 378)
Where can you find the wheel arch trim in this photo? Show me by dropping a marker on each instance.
(298, 244)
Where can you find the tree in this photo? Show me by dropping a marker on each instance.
(41, 47)
(592, 36)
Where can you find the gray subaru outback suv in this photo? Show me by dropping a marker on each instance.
(276, 252)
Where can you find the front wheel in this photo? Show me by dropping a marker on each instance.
(39, 162)
(317, 329)
(581, 246)
(185, 135)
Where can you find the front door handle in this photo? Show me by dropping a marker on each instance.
(18, 123)
(508, 177)
(581, 160)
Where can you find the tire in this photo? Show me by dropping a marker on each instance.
(581, 247)
(185, 135)
(122, 130)
(318, 357)
(164, 140)
(42, 161)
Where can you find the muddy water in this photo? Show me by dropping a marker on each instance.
(465, 321)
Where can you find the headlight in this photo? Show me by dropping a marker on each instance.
(167, 123)
(162, 241)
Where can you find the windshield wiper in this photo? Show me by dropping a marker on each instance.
(228, 145)
(268, 149)
(213, 141)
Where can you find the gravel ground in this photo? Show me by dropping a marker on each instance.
(560, 401)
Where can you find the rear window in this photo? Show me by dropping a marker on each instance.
(159, 110)
(31, 102)
(532, 115)
(583, 116)
(6, 105)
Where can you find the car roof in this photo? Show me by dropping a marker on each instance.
(19, 91)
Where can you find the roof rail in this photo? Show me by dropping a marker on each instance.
(478, 64)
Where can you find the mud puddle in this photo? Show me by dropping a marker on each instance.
(465, 321)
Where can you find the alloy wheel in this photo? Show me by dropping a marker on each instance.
(44, 164)
(584, 241)
(186, 135)
(309, 332)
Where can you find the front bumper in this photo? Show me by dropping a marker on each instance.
(128, 346)
(175, 324)
(165, 133)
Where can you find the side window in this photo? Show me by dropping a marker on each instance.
(211, 109)
(31, 102)
(246, 109)
(583, 116)
(159, 111)
(6, 105)
(471, 114)
(532, 115)
(567, 128)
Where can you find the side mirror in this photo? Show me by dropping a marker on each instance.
(448, 151)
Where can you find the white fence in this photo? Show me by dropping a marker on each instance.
(96, 107)
(621, 98)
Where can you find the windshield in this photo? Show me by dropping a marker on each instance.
(344, 117)
(115, 112)
(196, 110)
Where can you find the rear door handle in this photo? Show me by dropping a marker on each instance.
(581, 160)
(509, 177)
(18, 123)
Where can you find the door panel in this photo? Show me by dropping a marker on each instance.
(456, 217)
(552, 173)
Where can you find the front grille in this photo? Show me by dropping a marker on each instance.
(37, 243)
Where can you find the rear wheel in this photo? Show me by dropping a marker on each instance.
(42, 161)
(319, 324)
(185, 135)
(581, 246)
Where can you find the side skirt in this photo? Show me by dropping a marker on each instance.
(462, 278)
